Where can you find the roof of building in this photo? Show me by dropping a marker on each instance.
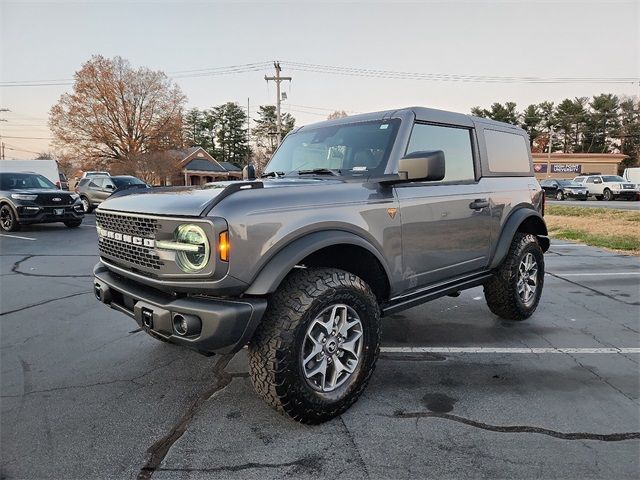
(203, 165)
(230, 167)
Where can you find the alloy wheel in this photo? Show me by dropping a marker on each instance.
(527, 279)
(332, 348)
(6, 218)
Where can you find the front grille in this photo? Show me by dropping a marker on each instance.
(135, 254)
(47, 199)
(129, 224)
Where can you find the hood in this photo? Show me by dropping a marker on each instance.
(195, 201)
(40, 191)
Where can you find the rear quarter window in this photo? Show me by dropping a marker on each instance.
(507, 152)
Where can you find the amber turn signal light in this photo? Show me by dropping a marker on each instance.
(223, 246)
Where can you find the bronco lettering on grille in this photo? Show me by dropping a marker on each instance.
(147, 242)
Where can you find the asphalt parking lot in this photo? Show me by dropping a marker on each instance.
(616, 204)
(457, 392)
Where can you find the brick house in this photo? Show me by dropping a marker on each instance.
(196, 167)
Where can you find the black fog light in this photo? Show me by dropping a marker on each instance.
(186, 325)
(147, 317)
(97, 291)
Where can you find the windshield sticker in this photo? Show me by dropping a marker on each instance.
(359, 169)
(384, 126)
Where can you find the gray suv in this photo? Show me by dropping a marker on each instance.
(353, 219)
(95, 189)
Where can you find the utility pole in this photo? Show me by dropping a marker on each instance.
(248, 123)
(549, 151)
(278, 79)
(1, 142)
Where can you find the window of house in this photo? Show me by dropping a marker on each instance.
(454, 142)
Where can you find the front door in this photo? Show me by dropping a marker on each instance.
(446, 225)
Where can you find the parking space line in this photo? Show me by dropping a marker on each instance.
(17, 236)
(517, 350)
(594, 274)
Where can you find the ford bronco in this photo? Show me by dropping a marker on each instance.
(352, 219)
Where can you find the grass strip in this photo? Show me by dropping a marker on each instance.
(600, 227)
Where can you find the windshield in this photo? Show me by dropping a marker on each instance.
(348, 149)
(613, 178)
(568, 183)
(125, 181)
(17, 181)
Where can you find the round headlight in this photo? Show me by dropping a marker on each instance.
(193, 259)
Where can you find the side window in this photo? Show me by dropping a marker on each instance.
(95, 183)
(590, 179)
(506, 152)
(454, 142)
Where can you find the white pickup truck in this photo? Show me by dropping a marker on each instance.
(608, 187)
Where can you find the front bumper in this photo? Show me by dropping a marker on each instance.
(226, 324)
(31, 213)
(577, 195)
(626, 193)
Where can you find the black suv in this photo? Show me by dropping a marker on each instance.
(27, 198)
(96, 189)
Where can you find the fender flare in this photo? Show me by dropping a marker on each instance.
(511, 227)
(272, 274)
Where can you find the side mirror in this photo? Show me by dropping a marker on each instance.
(109, 187)
(249, 172)
(426, 166)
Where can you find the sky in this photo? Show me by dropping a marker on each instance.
(50, 40)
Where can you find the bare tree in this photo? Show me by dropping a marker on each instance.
(116, 113)
(337, 114)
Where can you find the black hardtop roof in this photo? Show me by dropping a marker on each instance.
(421, 114)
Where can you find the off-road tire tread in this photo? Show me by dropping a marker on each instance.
(275, 336)
(499, 292)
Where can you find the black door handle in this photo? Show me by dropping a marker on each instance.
(479, 204)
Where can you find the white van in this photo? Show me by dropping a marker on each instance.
(46, 168)
(632, 175)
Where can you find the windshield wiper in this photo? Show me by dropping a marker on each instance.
(320, 171)
(272, 174)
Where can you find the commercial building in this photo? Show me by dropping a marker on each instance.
(569, 165)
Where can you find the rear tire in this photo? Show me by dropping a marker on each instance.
(73, 223)
(598, 197)
(514, 291)
(8, 219)
(319, 320)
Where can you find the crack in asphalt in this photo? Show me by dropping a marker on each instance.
(577, 362)
(603, 437)
(17, 264)
(598, 292)
(158, 451)
(44, 302)
(133, 380)
(352, 441)
(309, 464)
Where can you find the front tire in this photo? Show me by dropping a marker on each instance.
(8, 219)
(316, 348)
(560, 195)
(514, 291)
(86, 205)
(607, 195)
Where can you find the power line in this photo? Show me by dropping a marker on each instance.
(400, 75)
(29, 138)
